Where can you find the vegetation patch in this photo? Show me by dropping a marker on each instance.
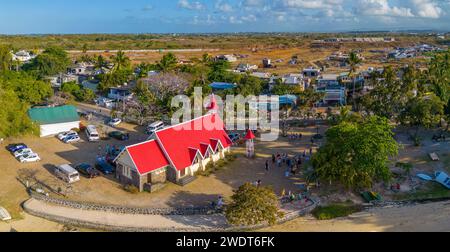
(430, 191)
(335, 210)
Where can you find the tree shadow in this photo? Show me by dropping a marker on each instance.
(188, 200)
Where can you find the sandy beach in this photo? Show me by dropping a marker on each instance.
(432, 217)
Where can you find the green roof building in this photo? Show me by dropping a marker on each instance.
(54, 120)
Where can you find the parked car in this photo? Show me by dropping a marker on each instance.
(67, 173)
(22, 152)
(92, 134)
(15, 147)
(152, 128)
(72, 139)
(105, 167)
(63, 135)
(87, 170)
(114, 122)
(28, 158)
(119, 135)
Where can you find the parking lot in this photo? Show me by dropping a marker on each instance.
(105, 189)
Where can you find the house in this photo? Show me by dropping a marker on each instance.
(246, 67)
(335, 94)
(226, 57)
(267, 63)
(261, 75)
(122, 93)
(311, 72)
(58, 80)
(174, 154)
(54, 120)
(106, 102)
(82, 69)
(22, 56)
(291, 80)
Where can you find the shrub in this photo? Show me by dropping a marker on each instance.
(131, 189)
(334, 211)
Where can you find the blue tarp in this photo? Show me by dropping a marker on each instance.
(222, 85)
(288, 100)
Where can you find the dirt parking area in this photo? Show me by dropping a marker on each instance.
(106, 190)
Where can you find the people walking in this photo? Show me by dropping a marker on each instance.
(267, 165)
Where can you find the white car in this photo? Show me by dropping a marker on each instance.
(22, 152)
(114, 122)
(63, 135)
(72, 139)
(28, 158)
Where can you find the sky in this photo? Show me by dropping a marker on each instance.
(218, 16)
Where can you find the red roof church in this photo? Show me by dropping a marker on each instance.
(176, 153)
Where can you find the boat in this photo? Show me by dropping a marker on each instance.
(4, 215)
(443, 179)
(424, 177)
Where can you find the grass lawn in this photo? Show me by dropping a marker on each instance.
(431, 191)
(335, 210)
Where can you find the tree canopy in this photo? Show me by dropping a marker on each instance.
(53, 60)
(356, 154)
(253, 205)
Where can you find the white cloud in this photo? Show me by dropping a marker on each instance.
(427, 8)
(190, 5)
(223, 6)
(381, 8)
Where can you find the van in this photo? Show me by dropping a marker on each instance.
(67, 173)
(92, 133)
(152, 128)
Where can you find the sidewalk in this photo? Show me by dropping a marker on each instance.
(124, 222)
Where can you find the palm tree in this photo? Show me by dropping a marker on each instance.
(100, 62)
(353, 61)
(120, 61)
(168, 62)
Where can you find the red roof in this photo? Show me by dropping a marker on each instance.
(249, 135)
(178, 140)
(147, 156)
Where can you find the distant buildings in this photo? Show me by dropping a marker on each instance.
(22, 56)
(412, 52)
(246, 67)
(226, 57)
(311, 72)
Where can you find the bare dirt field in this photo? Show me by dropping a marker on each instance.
(280, 57)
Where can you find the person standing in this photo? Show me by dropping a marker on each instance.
(267, 165)
(273, 159)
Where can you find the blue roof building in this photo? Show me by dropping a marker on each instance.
(222, 85)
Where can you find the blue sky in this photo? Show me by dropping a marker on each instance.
(176, 16)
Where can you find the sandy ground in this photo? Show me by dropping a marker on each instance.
(419, 218)
(30, 223)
